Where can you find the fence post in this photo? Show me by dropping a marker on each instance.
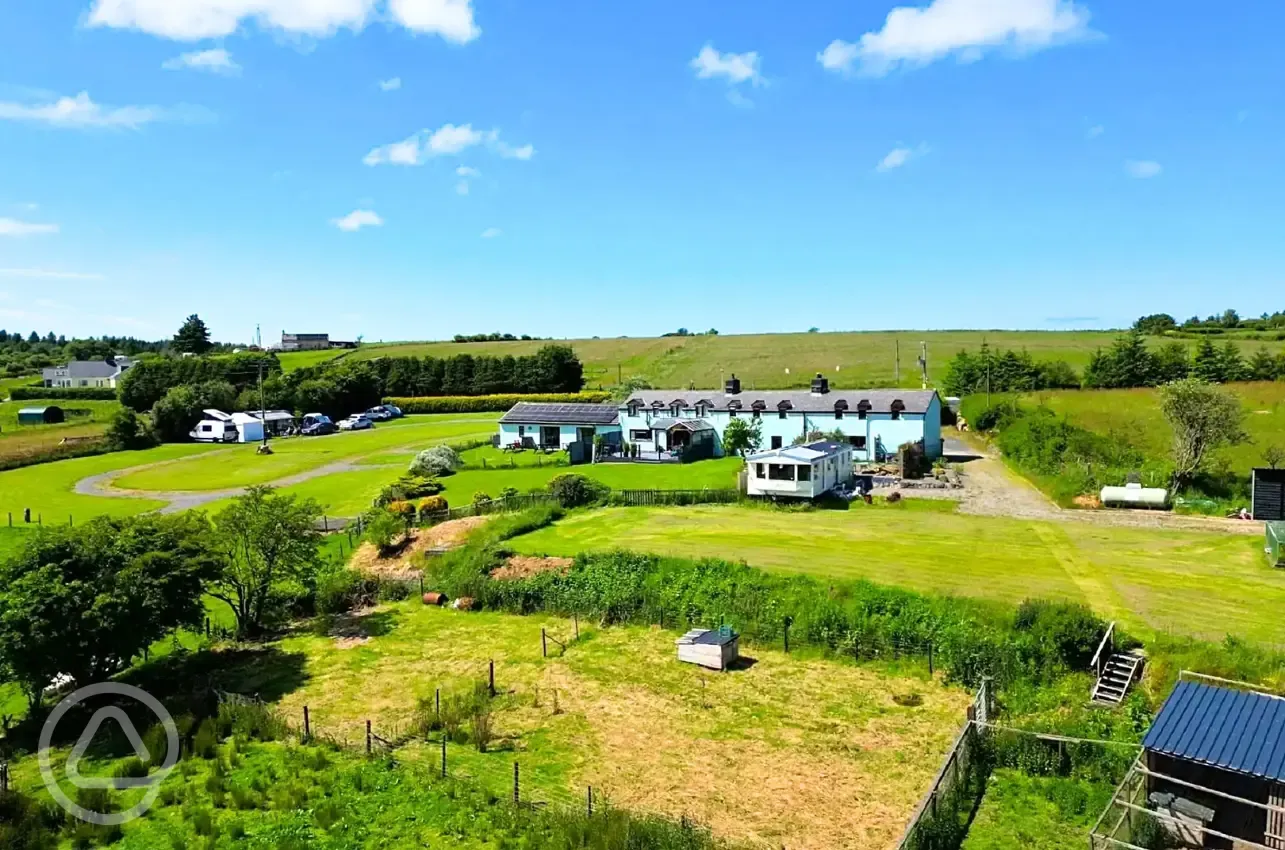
(544, 644)
(437, 707)
(421, 584)
(789, 621)
(325, 523)
(930, 658)
(516, 798)
(443, 755)
(575, 618)
(307, 724)
(589, 800)
(367, 737)
(491, 682)
(70, 521)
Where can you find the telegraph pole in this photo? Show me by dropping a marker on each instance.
(896, 360)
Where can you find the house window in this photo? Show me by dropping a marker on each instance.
(84, 383)
(805, 473)
(731, 412)
(755, 414)
(640, 435)
(780, 414)
(700, 411)
(521, 430)
(896, 414)
(861, 414)
(676, 410)
(858, 443)
(780, 471)
(758, 470)
(776, 442)
(838, 414)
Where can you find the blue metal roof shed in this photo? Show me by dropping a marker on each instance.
(1233, 730)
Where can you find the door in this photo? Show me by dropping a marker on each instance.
(549, 436)
(584, 435)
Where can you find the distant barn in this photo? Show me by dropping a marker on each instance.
(51, 415)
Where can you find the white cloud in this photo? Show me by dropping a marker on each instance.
(838, 55)
(357, 219)
(490, 233)
(735, 98)
(899, 156)
(215, 61)
(1142, 168)
(915, 36)
(390, 85)
(523, 153)
(451, 19)
(734, 67)
(1095, 131)
(461, 188)
(50, 274)
(467, 171)
(14, 227)
(81, 111)
(447, 140)
(193, 20)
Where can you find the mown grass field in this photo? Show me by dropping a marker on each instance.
(48, 488)
(1036, 812)
(241, 466)
(1205, 584)
(1134, 417)
(792, 750)
(777, 361)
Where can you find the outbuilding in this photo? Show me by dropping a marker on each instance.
(1215, 766)
(275, 422)
(716, 649)
(801, 472)
(1268, 494)
(51, 415)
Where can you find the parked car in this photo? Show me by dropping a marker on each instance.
(356, 422)
(394, 410)
(379, 413)
(316, 424)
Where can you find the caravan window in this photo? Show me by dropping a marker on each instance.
(805, 473)
(780, 471)
(758, 470)
(206, 429)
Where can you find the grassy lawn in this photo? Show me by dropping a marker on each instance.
(1036, 812)
(1186, 582)
(776, 361)
(22, 440)
(1134, 417)
(240, 466)
(805, 753)
(47, 488)
(291, 360)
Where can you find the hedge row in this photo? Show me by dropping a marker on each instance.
(489, 403)
(72, 393)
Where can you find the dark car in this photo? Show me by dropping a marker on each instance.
(317, 424)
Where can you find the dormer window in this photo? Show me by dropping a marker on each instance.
(863, 408)
(676, 409)
(897, 407)
(783, 409)
(839, 407)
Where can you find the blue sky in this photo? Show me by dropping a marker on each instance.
(410, 169)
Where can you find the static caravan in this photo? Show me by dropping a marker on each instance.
(801, 472)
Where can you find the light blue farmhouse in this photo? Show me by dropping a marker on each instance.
(556, 426)
(875, 422)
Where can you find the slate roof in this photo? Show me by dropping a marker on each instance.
(533, 413)
(84, 369)
(880, 401)
(1234, 730)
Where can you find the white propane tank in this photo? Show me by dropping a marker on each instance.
(1134, 496)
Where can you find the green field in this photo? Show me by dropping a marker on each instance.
(24, 440)
(291, 360)
(241, 466)
(777, 361)
(1206, 584)
(47, 488)
(1036, 812)
(1134, 417)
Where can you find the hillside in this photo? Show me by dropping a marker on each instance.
(771, 361)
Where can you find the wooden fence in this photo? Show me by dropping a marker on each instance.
(645, 498)
(941, 819)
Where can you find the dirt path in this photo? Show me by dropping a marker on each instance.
(992, 489)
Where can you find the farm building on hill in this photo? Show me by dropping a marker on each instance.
(875, 422)
(1212, 772)
(802, 472)
(50, 415)
(557, 426)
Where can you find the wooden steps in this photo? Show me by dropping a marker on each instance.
(1117, 676)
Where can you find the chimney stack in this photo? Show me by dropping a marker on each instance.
(820, 384)
(732, 386)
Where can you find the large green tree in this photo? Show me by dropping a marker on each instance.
(193, 336)
(174, 416)
(84, 601)
(742, 435)
(266, 539)
(1204, 418)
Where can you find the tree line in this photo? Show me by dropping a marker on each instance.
(492, 337)
(1159, 323)
(175, 390)
(1128, 362)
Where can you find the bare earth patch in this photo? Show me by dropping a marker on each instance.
(525, 566)
(447, 535)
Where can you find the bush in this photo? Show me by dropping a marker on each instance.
(340, 589)
(383, 527)
(490, 403)
(404, 510)
(127, 431)
(573, 491)
(63, 393)
(433, 505)
(435, 462)
(408, 488)
(206, 742)
(481, 498)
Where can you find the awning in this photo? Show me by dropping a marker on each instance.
(692, 425)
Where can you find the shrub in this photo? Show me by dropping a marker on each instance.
(490, 403)
(340, 589)
(206, 742)
(509, 493)
(481, 498)
(404, 510)
(383, 527)
(128, 431)
(62, 393)
(573, 491)
(433, 505)
(435, 462)
(408, 488)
